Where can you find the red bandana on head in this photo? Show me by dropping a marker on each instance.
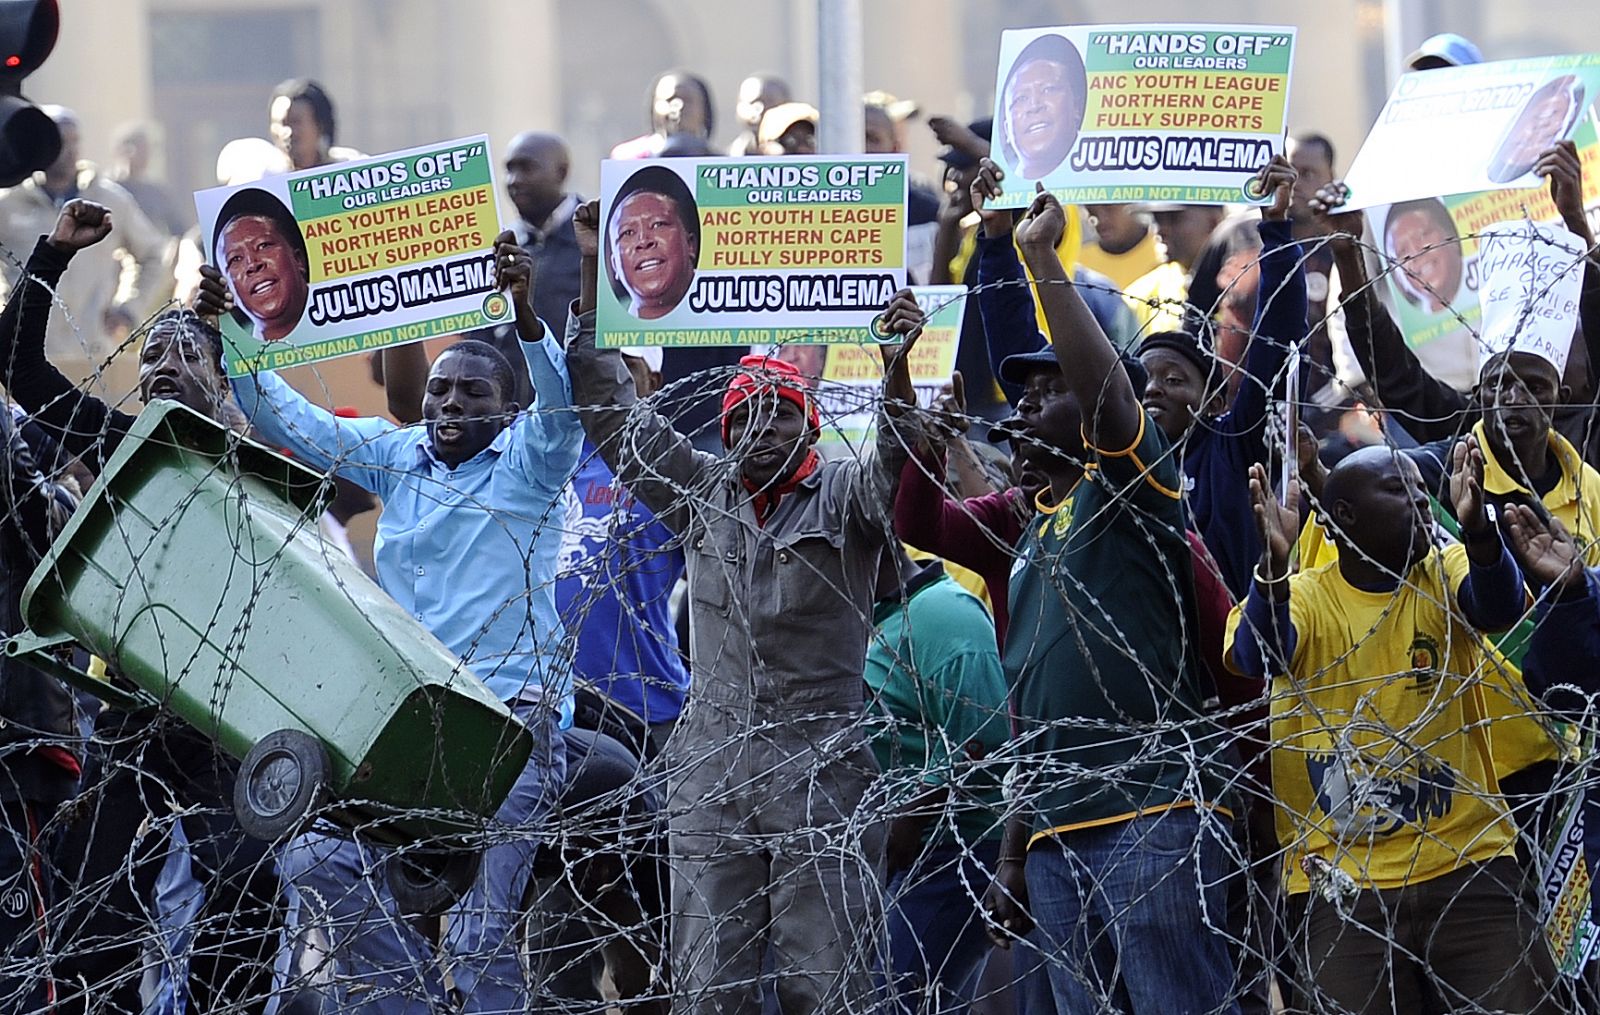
(760, 375)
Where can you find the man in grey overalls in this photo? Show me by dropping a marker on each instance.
(768, 768)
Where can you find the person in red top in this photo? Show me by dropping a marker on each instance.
(980, 533)
(977, 533)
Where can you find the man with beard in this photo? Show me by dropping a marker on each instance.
(782, 556)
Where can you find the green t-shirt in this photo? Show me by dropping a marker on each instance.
(935, 684)
(1098, 654)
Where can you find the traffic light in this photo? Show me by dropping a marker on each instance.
(29, 140)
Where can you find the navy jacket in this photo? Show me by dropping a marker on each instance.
(1563, 654)
(35, 708)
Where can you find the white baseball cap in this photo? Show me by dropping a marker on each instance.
(651, 354)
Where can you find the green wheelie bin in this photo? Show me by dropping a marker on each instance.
(195, 568)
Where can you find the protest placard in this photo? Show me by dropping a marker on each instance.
(1493, 120)
(749, 251)
(1568, 924)
(1429, 248)
(1111, 113)
(1531, 277)
(849, 378)
(356, 256)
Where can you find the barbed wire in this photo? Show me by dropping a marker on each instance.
(733, 857)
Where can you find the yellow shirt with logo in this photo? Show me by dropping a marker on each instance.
(1381, 765)
(1575, 500)
(1519, 738)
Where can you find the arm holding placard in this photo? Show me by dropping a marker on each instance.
(1005, 297)
(548, 436)
(1432, 410)
(874, 477)
(362, 450)
(955, 204)
(1113, 419)
(405, 367)
(1280, 319)
(1561, 165)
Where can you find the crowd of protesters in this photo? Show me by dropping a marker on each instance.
(1100, 684)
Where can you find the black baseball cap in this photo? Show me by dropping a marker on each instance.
(1015, 369)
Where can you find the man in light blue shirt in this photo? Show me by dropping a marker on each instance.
(468, 543)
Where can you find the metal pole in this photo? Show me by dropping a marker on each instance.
(1402, 31)
(840, 128)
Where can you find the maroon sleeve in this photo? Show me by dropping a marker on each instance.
(977, 533)
(1213, 604)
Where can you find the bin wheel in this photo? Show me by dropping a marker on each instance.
(282, 781)
(427, 882)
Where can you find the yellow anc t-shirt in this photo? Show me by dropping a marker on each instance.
(1158, 298)
(1575, 499)
(1127, 267)
(1519, 739)
(1381, 764)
